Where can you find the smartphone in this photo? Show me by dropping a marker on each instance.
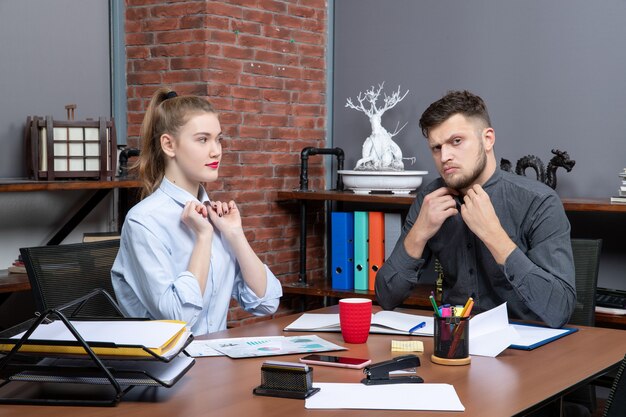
(340, 361)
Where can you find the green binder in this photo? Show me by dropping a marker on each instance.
(360, 250)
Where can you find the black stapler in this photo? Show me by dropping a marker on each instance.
(378, 373)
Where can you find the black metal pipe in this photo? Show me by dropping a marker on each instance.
(304, 186)
(304, 164)
(123, 160)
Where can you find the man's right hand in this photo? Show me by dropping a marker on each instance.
(436, 208)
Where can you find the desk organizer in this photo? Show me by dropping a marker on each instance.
(110, 377)
(286, 379)
(70, 149)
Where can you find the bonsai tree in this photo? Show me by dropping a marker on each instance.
(380, 152)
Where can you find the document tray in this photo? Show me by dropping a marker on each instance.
(88, 368)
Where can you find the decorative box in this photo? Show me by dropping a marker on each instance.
(62, 150)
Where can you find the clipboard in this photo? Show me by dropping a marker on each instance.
(534, 336)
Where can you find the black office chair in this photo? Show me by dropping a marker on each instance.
(586, 264)
(616, 403)
(60, 274)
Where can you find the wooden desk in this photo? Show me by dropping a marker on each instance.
(489, 387)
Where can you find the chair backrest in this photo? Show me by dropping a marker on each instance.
(586, 263)
(59, 274)
(616, 403)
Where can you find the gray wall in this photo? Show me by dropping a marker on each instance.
(52, 53)
(553, 74)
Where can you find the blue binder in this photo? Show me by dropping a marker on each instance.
(342, 252)
(361, 235)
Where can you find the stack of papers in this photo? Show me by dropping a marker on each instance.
(491, 333)
(108, 338)
(388, 322)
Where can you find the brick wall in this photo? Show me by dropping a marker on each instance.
(261, 63)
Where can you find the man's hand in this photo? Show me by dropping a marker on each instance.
(436, 208)
(481, 218)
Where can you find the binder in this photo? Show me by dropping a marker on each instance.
(393, 229)
(361, 234)
(376, 248)
(342, 252)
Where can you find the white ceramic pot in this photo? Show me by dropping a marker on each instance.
(398, 182)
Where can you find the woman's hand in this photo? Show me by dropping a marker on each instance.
(225, 217)
(195, 217)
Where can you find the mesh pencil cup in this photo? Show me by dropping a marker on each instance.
(451, 341)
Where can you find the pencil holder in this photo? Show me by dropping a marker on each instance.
(451, 341)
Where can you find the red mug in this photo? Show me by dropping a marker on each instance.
(355, 318)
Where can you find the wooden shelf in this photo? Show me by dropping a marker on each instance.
(570, 204)
(25, 185)
(589, 204)
(405, 200)
(100, 189)
(13, 282)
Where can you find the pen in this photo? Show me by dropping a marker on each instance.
(418, 326)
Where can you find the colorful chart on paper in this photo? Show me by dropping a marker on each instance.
(246, 347)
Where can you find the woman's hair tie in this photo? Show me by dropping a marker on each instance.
(171, 94)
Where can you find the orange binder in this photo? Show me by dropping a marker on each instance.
(376, 245)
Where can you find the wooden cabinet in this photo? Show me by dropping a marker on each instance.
(419, 298)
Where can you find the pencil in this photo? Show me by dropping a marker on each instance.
(469, 300)
(432, 301)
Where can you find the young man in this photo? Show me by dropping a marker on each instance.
(498, 236)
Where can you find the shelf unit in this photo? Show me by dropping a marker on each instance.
(100, 188)
(570, 204)
(420, 295)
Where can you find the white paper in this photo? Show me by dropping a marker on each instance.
(430, 397)
(491, 333)
(149, 333)
(531, 335)
(201, 348)
(245, 347)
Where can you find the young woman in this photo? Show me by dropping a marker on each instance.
(183, 256)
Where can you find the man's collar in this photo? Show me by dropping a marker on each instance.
(497, 174)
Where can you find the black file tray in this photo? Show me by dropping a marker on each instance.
(121, 374)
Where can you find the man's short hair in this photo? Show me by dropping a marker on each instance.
(454, 102)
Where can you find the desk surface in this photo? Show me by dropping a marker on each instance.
(489, 387)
